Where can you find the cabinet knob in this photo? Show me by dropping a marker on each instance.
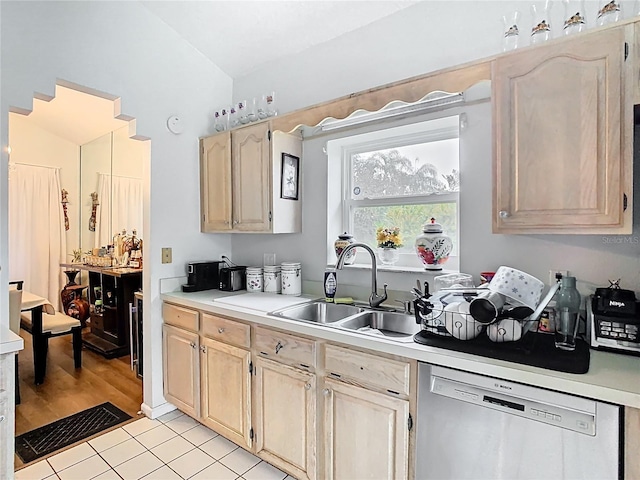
(326, 392)
(503, 214)
(279, 347)
(235, 222)
(203, 349)
(193, 345)
(307, 386)
(221, 330)
(1, 418)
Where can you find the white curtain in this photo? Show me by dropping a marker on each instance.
(37, 240)
(120, 207)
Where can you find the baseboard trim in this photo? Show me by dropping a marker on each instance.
(158, 411)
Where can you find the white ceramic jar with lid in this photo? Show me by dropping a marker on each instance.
(272, 279)
(291, 278)
(433, 247)
(254, 279)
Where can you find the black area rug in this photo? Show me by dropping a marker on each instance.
(61, 433)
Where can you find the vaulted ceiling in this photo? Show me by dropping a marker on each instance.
(240, 36)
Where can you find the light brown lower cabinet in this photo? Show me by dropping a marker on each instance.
(226, 390)
(285, 417)
(181, 369)
(365, 433)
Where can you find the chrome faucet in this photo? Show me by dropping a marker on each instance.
(374, 299)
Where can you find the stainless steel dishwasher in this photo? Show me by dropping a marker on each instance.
(475, 427)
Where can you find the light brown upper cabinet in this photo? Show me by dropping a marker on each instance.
(563, 133)
(241, 181)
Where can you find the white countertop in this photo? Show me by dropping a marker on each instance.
(9, 341)
(611, 377)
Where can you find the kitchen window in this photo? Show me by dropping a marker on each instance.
(397, 177)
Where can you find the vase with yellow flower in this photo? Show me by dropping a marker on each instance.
(389, 241)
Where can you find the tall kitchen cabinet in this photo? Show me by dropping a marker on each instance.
(563, 131)
(241, 181)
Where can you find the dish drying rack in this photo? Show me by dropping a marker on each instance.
(532, 349)
(446, 314)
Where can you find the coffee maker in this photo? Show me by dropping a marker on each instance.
(613, 320)
(202, 276)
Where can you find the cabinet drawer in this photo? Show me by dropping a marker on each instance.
(180, 317)
(227, 331)
(285, 348)
(371, 370)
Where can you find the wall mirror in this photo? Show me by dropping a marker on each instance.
(110, 188)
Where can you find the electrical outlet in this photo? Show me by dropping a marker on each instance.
(166, 255)
(552, 275)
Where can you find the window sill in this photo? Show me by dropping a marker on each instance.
(396, 269)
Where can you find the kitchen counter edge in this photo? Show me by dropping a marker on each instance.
(612, 377)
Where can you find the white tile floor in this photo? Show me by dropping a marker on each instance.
(172, 447)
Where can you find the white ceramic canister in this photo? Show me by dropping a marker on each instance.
(254, 279)
(291, 278)
(272, 279)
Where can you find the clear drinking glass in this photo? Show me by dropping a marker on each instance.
(262, 108)
(242, 112)
(609, 11)
(252, 113)
(217, 122)
(271, 109)
(511, 31)
(574, 17)
(224, 115)
(233, 117)
(541, 27)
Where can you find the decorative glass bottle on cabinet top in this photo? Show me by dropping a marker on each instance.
(541, 28)
(511, 31)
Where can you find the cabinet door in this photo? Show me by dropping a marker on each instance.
(560, 143)
(181, 369)
(365, 433)
(285, 417)
(226, 390)
(215, 182)
(251, 178)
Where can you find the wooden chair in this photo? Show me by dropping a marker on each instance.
(43, 326)
(15, 300)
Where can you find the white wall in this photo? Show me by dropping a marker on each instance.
(122, 49)
(423, 38)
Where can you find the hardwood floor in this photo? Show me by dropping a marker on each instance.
(66, 391)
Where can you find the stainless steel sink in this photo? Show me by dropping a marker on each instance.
(394, 325)
(318, 312)
(388, 324)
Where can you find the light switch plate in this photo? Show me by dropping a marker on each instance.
(166, 255)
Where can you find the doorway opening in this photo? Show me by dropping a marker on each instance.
(78, 177)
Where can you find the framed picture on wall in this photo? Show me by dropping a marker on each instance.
(290, 176)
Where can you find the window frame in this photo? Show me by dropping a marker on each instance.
(388, 138)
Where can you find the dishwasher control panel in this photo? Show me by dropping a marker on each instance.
(581, 422)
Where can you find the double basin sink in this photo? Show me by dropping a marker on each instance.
(383, 323)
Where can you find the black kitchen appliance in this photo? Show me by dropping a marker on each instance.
(233, 278)
(613, 320)
(202, 276)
